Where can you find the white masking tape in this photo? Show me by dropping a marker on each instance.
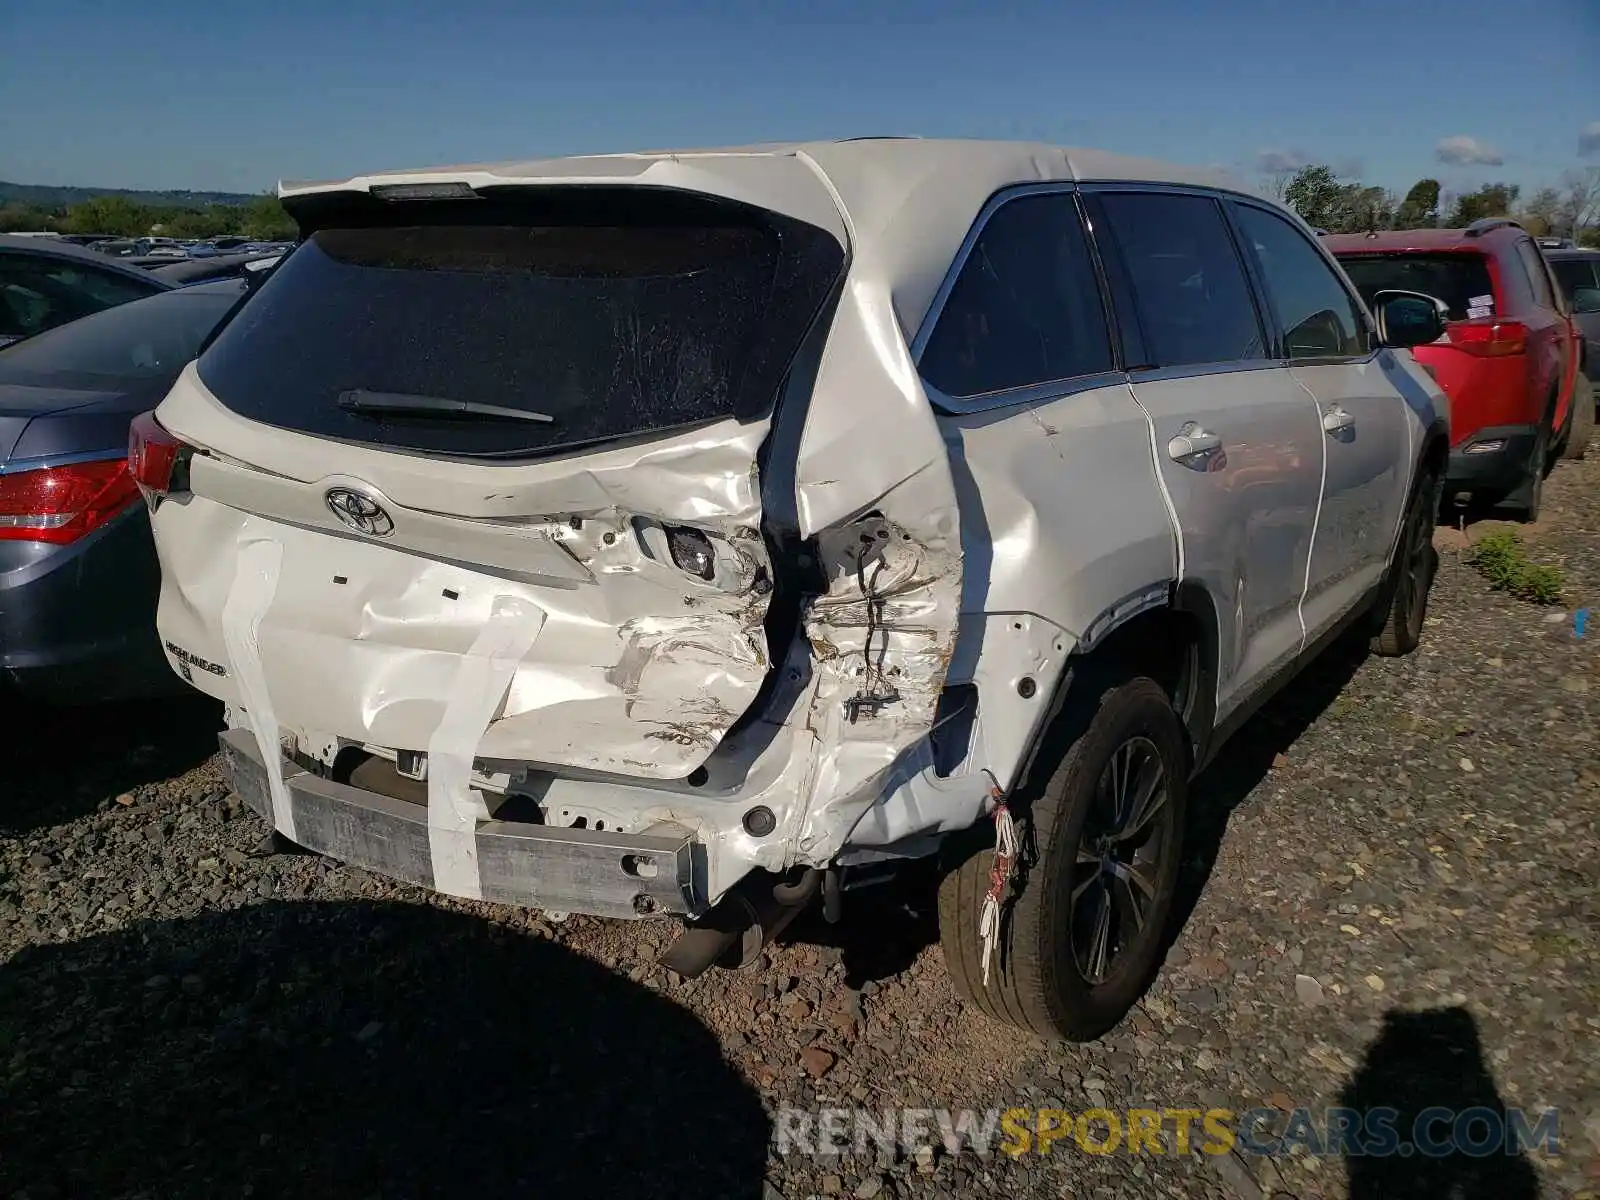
(255, 582)
(483, 676)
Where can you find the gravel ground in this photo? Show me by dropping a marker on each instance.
(1392, 897)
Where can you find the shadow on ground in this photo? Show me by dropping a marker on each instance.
(1434, 1060)
(60, 763)
(884, 927)
(359, 1050)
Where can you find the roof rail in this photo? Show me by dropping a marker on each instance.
(1484, 224)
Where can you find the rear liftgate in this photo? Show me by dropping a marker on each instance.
(617, 635)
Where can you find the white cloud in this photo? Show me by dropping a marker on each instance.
(1589, 139)
(1270, 162)
(1462, 151)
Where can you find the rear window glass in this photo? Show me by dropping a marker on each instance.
(143, 339)
(1460, 279)
(1574, 273)
(544, 329)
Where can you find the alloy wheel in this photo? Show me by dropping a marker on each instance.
(1126, 837)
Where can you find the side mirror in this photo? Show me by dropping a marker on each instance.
(1586, 300)
(1407, 319)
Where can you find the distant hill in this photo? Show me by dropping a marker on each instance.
(41, 196)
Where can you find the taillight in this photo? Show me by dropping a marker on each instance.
(62, 504)
(1488, 337)
(154, 457)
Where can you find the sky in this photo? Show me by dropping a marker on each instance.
(180, 94)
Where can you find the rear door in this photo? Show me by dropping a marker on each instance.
(445, 411)
(1327, 344)
(1552, 337)
(1238, 440)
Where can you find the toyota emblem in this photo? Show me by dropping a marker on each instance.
(359, 511)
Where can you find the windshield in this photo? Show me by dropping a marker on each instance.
(1460, 279)
(607, 318)
(138, 340)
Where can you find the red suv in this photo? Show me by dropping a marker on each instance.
(1508, 359)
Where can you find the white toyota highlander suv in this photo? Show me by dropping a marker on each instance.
(695, 534)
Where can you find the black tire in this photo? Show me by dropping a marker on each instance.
(1581, 426)
(1040, 974)
(1403, 603)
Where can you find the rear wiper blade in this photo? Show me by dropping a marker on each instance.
(360, 400)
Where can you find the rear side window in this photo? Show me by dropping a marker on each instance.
(1319, 318)
(1176, 259)
(514, 328)
(1025, 308)
(1459, 278)
(1534, 262)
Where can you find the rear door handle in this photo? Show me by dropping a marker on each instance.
(1191, 443)
(1336, 420)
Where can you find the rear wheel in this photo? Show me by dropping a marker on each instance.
(1082, 934)
(1404, 600)
(1581, 426)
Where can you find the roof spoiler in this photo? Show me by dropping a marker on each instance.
(1484, 224)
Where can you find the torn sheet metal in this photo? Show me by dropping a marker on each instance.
(483, 675)
(257, 565)
(873, 484)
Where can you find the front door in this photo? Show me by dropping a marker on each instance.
(1327, 344)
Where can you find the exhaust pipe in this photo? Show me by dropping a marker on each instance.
(742, 924)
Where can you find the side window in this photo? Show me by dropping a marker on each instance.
(1318, 316)
(1175, 258)
(1543, 294)
(1025, 308)
(22, 308)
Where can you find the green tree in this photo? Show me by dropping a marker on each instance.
(1360, 208)
(16, 216)
(1315, 193)
(1542, 212)
(108, 214)
(1490, 200)
(266, 220)
(211, 221)
(1420, 208)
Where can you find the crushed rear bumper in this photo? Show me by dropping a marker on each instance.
(539, 866)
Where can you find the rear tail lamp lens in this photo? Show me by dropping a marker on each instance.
(691, 551)
(62, 504)
(1488, 337)
(156, 459)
